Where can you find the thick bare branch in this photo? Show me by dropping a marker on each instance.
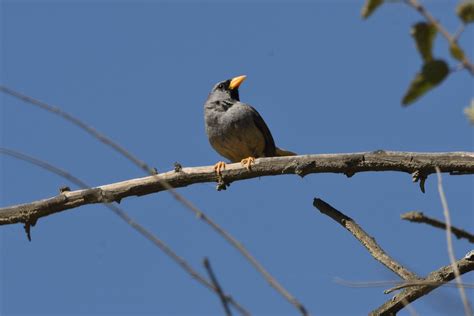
(434, 279)
(367, 241)
(419, 217)
(349, 164)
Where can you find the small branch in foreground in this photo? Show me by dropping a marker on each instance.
(367, 241)
(216, 284)
(102, 197)
(419, 217)
(434, 280)
(127, 219)
(452, 258)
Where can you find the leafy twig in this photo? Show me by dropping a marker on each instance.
(440, 28)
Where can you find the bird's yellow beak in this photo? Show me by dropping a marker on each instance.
(235, 82)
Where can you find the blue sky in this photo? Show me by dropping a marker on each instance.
(325, 82)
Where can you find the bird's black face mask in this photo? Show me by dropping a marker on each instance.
(222, 92)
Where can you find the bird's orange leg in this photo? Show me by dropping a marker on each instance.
(247, 162)
(218, 167)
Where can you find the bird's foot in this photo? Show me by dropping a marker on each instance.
(247, 162)
(218, 167)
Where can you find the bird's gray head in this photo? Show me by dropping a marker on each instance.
(226, 90)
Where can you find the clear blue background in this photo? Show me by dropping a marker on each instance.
(324, 80)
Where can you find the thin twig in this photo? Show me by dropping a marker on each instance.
(395, 285)
(216, 284)
(131, 222)
(438, 277)
(459, 32)
(452, 258)
(163, 183)
(270, 279)
(68, 117)
(419, 217)
(367, 241)
(450, 38)
(423, 282)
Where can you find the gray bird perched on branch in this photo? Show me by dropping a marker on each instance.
(235, 129)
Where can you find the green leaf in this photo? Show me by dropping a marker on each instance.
(431, 75)
(424, 35)
(369, 7)
(465, 11)
(456, 51)
(469, 111)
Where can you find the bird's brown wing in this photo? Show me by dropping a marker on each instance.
(270, 148)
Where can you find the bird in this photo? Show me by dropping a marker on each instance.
(235, 129)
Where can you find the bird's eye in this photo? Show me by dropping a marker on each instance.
(220, 86)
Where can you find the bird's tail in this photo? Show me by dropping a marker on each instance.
(282, 152)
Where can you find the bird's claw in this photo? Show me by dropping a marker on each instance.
(218, 167)
(247, 162)
(221, 184)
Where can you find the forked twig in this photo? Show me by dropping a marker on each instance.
(433, 281)
(216, 284)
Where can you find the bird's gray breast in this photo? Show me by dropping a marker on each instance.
(232, 132)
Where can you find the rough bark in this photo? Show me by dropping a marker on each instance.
(420, 165)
